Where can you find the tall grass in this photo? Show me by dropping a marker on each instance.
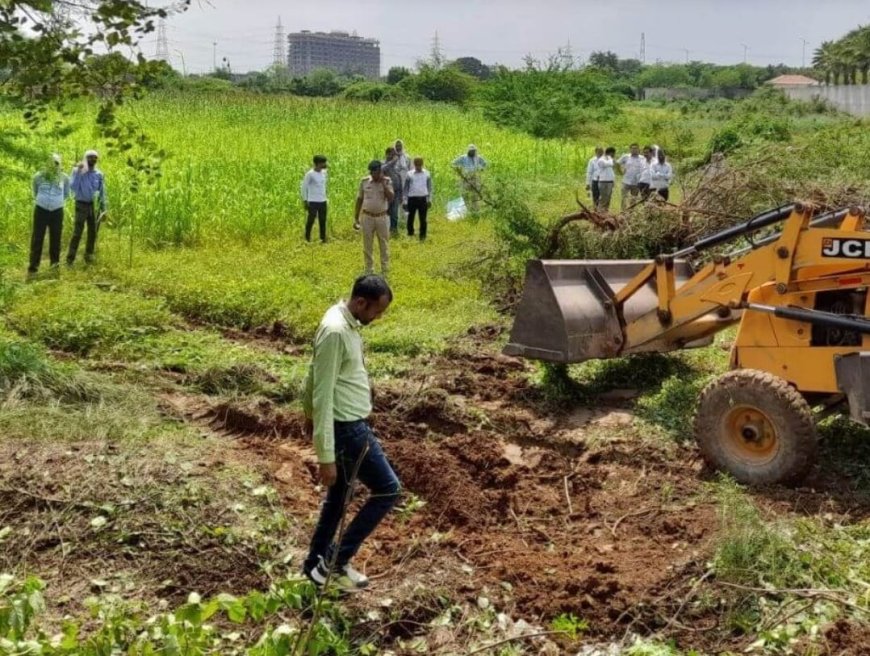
(235, 161)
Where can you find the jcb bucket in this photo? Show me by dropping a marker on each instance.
(566, 314)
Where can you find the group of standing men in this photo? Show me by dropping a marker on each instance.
(51, 188)
(397, 186)
(642, 175)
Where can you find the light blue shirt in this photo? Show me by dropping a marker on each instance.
(89, 185)
(50, 195)
(470, 164)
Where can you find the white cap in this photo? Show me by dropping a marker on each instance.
(91, 153)
(56, 158)
(472, 147)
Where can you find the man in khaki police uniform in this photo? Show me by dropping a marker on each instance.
(373, 201)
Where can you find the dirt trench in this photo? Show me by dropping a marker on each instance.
(516, 499)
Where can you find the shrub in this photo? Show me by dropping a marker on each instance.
(725, 140)
(549, 103)
(440, 85)
(372, 92)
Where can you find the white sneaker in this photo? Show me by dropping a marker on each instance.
(357, 579)
(347, 579)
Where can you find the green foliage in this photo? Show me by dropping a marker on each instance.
(703, 75)
(570, 625)
(27, 372)
(446, 84)
(77, 318)
(409, 506)
(196, 627)
(319, 83)
(474, 67)
(751, 550)
(550, 103)
(50, 58)
(515, 224)
(725, 140)
(397, 73)
(840, 61)
(673, 405)
(19, 605)
(372, 92)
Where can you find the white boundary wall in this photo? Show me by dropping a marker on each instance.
(853, 98)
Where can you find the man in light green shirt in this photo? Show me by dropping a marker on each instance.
(337, 402)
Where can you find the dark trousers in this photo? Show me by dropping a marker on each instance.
(51, 220)
(316, 210)
(418, 204)
(596, 193)
(393, 211)
(85, 215)
(644, 190)
(664, 193)
(353, 440)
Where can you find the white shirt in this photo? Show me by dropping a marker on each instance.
(314, 187)
(592, 170)
(419, 184)
(633, 168)
(605, 169)
(646, 174)
(661, 175)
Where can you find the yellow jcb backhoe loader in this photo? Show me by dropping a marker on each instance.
(799, 296)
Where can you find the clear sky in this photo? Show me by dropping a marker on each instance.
(504, 31)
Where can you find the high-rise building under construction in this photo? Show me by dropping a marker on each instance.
(337, 51)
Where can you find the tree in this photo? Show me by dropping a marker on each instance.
(630, 67)
(605, 61)
(474, 67)
(661, 75)
(396, 74)
(55, 51)
(320, 82)
(444, 85)
(840, 61)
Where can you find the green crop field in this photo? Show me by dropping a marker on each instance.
(152, 469)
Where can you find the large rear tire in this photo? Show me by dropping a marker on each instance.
(757, 427)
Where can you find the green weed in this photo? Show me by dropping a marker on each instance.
(750, 550)
(570, 625)
(673, 405)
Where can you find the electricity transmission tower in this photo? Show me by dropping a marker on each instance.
(643, 47)
(279, 57)
(436, 57)
(162, 53)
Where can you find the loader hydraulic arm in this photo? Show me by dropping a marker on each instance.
(804, 255)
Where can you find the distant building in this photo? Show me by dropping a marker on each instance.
(793, 81)
(337, 51)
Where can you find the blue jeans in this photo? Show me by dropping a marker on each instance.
(354, 440)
